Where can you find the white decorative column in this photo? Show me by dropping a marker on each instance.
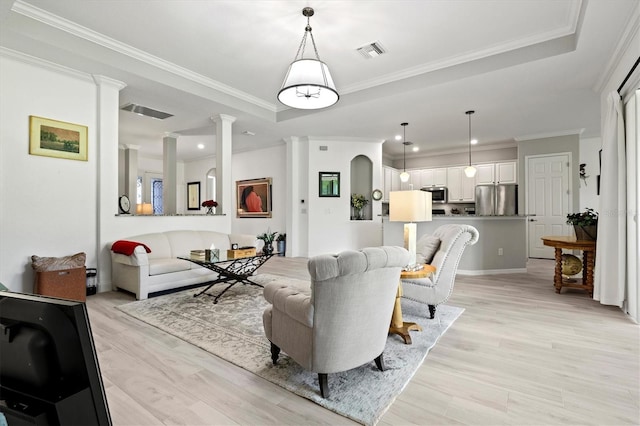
(169, 173)
(107, 119)
(224, 144)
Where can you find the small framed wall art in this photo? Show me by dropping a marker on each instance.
(329, 184)
(193, 196)
(52, 138)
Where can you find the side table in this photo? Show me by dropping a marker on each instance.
(588, 248)
(398, 326)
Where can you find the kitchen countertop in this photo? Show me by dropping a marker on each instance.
(473, 216)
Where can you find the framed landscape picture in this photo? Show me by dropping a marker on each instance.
(52, 138)
(253, 197)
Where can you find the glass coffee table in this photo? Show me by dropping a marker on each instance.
(231, 271)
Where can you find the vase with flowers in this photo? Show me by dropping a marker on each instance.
(585, 224)
(358, 202)
(210, 205)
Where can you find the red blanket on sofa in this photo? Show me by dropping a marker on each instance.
(127, 247)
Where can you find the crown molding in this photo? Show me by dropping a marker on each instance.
(631, 29)
(549, 135)
(91, 36)
(43, 63)
(102, 80)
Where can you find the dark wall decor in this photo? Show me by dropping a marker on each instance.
(329, 184)
(193, 196)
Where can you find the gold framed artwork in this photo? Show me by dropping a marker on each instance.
(253, 198)
(58, 139)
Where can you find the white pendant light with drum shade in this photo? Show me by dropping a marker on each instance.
(470, 171)
(404, 176)
(308, 83)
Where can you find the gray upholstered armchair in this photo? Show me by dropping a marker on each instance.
(342, 320)
(443, 250)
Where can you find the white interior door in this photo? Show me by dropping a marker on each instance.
(548, 200)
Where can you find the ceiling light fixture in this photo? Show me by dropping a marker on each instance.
(470, 171)
(404, 176)
(308, 83)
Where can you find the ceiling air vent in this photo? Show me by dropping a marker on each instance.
(371, 50)
(148, 112)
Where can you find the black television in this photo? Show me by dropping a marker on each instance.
(49, 372)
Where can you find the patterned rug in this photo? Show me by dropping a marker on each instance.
(232, 330)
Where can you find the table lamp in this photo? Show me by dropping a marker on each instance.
(410, 206)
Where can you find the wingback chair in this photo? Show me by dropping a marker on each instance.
(341, 320)
(443, 250)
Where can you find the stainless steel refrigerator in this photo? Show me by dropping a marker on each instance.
(497, 200)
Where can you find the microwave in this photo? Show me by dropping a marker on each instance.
(438, 193)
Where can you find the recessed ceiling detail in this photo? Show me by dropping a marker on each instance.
(148, 112)
(371, 50)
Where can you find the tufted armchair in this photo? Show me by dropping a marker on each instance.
(341, 320)
(443, 250)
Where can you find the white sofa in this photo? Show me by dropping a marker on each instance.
(143, 273)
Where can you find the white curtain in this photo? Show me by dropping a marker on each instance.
(611, 254)
(632, 131)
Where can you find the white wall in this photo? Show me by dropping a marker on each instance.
(48, 204)
(263, 163)
(331, 229)
(589, 148)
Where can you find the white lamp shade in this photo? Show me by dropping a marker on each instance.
(144, 208)
(410, 206)
(470, 171)
(308, 85)
(404, 177)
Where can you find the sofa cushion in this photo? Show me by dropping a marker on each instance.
(157, 242)
(166, 266)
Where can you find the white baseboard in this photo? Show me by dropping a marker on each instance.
(493, 271)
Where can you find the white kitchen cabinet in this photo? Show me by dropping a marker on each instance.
(506, 172)
(433, 177)
(461, 188)
(489, 174)
(485, 174)
(391, 182)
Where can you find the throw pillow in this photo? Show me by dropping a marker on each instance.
(426, 249)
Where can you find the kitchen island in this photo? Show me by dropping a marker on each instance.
(501, 248)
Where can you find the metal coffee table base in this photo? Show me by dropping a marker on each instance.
(232, 272)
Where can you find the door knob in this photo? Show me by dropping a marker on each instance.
(533, 220)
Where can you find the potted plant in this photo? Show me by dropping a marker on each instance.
(281, 241)
(585, 224)
(268, 238)
(358, 202)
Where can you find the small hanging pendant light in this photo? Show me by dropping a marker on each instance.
(404, 176)
(308, 83)
(470, 171)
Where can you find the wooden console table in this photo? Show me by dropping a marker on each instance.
(588, 260)
(398, 326)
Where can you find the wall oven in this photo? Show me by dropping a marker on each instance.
(438, 194)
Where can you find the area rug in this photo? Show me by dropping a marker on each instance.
(232, 329)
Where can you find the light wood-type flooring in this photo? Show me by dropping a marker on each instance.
(520, 354)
